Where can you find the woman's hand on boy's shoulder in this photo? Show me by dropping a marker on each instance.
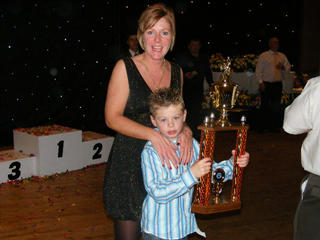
(186, 147)
(166, 150)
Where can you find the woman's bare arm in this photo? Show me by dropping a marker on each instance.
(185, 137)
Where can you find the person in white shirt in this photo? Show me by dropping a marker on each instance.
(270, 72)
(303, 116)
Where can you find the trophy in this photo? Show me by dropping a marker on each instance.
(213, 194)
(224, 94)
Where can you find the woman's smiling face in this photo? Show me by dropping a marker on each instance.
(157, 39)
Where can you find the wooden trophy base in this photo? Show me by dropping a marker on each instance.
(216, 208)
(223, 203)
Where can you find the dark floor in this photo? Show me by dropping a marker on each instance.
(69, 206)
(270, 192)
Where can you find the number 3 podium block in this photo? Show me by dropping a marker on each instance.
(57, 148)
(96, 147)
(15, 165)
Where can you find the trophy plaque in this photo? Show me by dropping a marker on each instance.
(217, 181)
(212, 194)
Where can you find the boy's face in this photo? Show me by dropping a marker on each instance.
(169, 120)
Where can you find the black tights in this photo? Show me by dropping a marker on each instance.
(126, 230)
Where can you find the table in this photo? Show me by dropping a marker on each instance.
(248, 82)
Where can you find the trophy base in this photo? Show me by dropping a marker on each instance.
(216, 208)
(219, 203)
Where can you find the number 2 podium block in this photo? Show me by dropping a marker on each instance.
(16, 165)
(57, 148)
(96, 147)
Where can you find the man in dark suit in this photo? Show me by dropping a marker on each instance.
(196, 70)
(133, 46)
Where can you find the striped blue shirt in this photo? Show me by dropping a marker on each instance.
(166, 210)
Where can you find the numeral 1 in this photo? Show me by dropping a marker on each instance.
(60, 148)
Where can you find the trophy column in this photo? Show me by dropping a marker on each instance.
(202, 192)
(237, 171)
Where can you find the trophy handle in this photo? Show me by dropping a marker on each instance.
(236, 94)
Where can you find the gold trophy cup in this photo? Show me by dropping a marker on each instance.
(224, 94)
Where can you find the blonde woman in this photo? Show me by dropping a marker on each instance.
(126, 112)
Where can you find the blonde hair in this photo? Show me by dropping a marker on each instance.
(151, 16)
(164, 97)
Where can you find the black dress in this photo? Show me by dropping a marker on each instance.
(123, 189)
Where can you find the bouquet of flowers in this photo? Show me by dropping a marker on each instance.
(216, 61)
(243, 100)
(251, 61)
(238, 64)
(242, 63)
(207, 102)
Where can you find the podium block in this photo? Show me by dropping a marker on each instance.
(57, 148)
(96, 147)
(16, 165)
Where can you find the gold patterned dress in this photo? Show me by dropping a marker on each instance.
(123, 189)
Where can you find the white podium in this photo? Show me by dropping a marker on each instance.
(96, 147)
(57, 148)
(15, 165)
(47, 150)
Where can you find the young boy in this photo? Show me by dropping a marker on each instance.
(166, 210)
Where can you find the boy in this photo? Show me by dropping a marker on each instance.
(166, 210)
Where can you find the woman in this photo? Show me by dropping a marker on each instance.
(126, 112)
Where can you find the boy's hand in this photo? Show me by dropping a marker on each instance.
(201, 167)
(242, 160)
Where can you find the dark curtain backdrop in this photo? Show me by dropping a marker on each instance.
(310, 37)
(57, 56)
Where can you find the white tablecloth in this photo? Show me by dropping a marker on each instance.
(247, 81)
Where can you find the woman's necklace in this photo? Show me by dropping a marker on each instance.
(156, 86)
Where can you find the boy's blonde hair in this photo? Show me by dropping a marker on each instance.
(165, 97)
(151, 16)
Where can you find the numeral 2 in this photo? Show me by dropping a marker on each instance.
(97, 154)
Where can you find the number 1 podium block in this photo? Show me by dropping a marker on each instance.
(57, 148)
(16, 165)
(96, 147)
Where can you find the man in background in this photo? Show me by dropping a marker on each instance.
(270, 72)
(196, 70)
(133, 46)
